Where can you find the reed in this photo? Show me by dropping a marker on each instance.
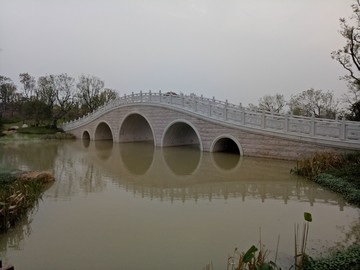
(16, 199)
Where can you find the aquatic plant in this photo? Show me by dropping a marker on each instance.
(300, 254)
(253, 259)
(317, 163)
(17, 197)
(335, 171)
(347, 189)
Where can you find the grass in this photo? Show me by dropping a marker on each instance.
(37, 130)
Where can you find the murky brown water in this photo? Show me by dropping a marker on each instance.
(131, 206)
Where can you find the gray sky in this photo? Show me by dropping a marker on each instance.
(238, 50)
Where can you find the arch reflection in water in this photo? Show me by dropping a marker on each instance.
(86, 143)
(183, 160)
(137, 157)
(226, 161)
(104, 149)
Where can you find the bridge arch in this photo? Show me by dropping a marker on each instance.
(181, 133)
(136, 128)
(85, 135)
(103, 132)
(226, 143)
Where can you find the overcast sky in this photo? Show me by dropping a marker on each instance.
(238, 50)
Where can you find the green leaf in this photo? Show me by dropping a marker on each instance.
(249, 254)
(307, 216)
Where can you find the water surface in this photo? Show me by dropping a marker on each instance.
(133, 206)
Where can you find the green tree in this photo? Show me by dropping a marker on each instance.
(354, 112)
(314, 102)
(349, 55)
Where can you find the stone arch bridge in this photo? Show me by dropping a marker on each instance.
(211, 125)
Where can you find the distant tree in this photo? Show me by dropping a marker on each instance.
(29, 84)
(349, 55)
(314, 102)
(354, 114)
(7, 92)
(106, 96)
(275, 103)
(89, 90)
(46, 90)
(65, 92)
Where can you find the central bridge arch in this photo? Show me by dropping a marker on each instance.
(103, 132)
(136, 128)
(181, 133)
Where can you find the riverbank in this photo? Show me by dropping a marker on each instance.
(19, 193)
(38, 132)
(339, 173)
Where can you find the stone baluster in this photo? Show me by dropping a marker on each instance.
(141, 96)
(182, 100)
(312, 127)
(149, 95)
(132, 97)
(286, 123)
(226, 110)
(263, 119)
(209, 108)
(343, 129)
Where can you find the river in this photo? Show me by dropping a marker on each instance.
(133, 206)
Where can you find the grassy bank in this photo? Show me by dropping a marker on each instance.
(337, 172)
(19, 193)
(341, 174)
(44, 133)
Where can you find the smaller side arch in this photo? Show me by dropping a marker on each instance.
(226, 143)
(180, 129)
(85, 135)
(103, 132)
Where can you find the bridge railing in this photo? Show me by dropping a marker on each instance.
(235, 115)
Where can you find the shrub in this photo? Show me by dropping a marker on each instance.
(341, 260)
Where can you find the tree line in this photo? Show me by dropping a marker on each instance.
(52, 97)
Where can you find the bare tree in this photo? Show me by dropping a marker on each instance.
(271, 103)
(46, 90)
(314, 102)
(65, 91)
(89, 89)
(7, 92)
(349, 55)
(106, 96)
(29, 84)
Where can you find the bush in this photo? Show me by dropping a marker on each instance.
(348, 259)
(349, 191)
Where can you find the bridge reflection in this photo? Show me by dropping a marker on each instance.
(179, 173)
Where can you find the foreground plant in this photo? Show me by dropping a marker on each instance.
(19, 194)
(253, 259)
(300, 254)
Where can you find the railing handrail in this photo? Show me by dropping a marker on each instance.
(236, 115)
